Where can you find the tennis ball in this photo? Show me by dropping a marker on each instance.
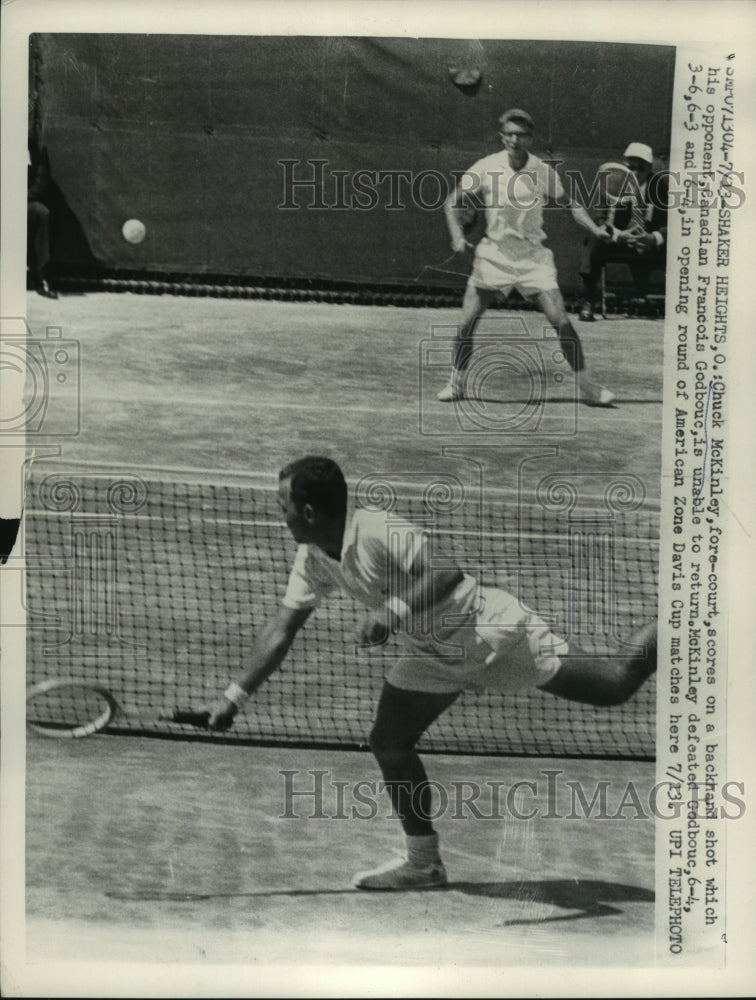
(134, 231)
(465, 76)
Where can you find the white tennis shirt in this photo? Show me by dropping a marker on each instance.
(377, 554)
(498, 643)
(513, 199)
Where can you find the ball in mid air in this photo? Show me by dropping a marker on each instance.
(134, 231)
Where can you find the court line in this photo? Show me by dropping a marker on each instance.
(212, 402)
(390, 408)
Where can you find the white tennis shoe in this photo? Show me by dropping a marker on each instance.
(451, 392)
(593, 394)
(403, 874)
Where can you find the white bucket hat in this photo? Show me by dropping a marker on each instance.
(640, 151)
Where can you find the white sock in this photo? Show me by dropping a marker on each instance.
(423, 851)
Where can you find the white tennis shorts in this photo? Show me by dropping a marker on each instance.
(505, 648)
(513, 264)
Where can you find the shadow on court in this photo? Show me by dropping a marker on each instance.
(591, 899)
(485, 399)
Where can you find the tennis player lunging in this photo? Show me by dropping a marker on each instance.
(480, 637)
(513, 186)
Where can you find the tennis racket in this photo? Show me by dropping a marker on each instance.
(66, 708)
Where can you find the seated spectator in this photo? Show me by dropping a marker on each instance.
(638, 226)
(38, 222)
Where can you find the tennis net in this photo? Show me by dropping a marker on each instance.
(156, 589)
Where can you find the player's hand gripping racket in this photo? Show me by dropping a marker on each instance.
(70, 709)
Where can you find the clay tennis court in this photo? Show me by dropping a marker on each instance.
(156, 850)
(185, 859)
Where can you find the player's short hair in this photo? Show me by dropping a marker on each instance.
(318, 481)
(519, 117)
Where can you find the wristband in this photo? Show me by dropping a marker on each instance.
(236, 694)
(399, 607)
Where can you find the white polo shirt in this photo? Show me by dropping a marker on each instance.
(513, 199)
(496, 642)
(377, 555)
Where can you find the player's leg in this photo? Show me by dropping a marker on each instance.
(401, 719)
(596, 681)
(475, 302)
(593, 259)
(552, 306)
(641, 269)
(38, 235)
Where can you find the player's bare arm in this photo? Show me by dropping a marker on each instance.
(268, 653)
(456, 207)
(581, 215)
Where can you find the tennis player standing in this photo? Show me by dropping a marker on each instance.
(476, 638)
(513, 186)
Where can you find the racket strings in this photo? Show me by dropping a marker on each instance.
(69, 708)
